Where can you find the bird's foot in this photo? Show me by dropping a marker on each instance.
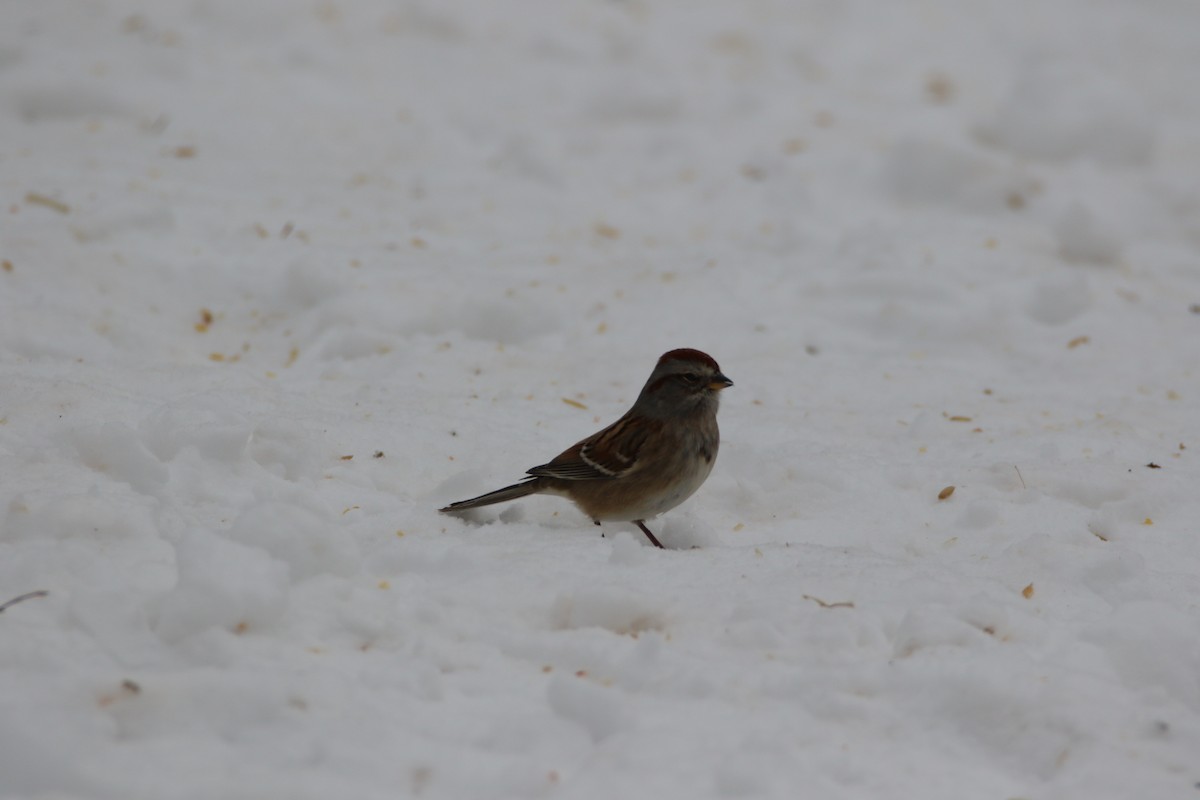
(653, 540)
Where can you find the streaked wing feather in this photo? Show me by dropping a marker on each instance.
(570, 471)
(609, 454)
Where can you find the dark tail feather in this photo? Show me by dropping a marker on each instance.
(531, 486)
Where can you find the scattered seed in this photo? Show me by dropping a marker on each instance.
(939, 88)
(753, 172)
(1027, 592)
(36, 199)
(823, 604)
(1078, 340)
(945, 493)
(794, 146)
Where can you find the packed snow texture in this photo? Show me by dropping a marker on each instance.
(282, 278)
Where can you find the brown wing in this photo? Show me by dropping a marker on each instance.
(611, 453)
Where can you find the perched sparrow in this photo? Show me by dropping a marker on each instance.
(645, 463)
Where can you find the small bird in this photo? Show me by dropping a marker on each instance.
(645, 463)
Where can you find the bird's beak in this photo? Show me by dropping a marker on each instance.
(719, 382)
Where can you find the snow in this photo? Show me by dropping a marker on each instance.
(280, 279)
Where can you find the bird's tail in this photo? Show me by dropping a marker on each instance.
(531, 486)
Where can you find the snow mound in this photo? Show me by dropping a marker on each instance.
(222, 584)
(619, 611)
(1058, 110)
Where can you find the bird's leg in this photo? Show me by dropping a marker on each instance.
(597, 522)
(641, 524)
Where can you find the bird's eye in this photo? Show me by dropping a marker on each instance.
(691, 377)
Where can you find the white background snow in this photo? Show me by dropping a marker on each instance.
(281, 278)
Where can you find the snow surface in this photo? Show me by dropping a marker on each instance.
(281, 278)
